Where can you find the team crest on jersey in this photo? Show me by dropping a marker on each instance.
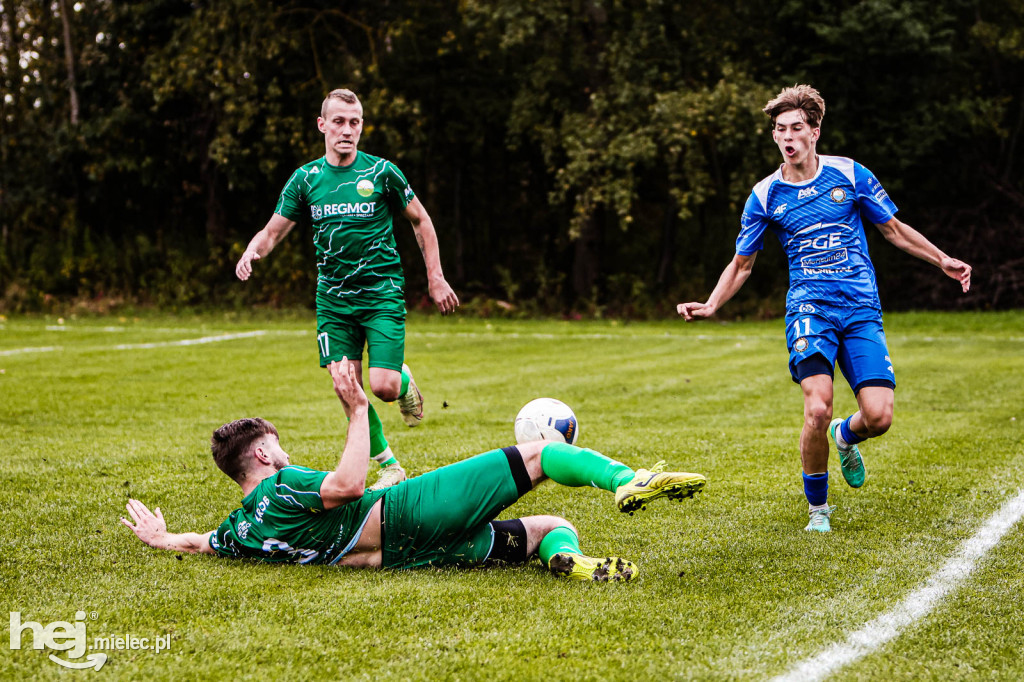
(316, 212)
(811, 191)
(364, 188)
(801, 345)
(780, 210)
(838, 195)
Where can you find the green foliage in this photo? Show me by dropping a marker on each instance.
(608, 142)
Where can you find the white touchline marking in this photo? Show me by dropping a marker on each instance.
(190, 342)
(915, 605)
(155, 344)
(37, 349)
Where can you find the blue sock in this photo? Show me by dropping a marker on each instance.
(849, 436)
(816, 489)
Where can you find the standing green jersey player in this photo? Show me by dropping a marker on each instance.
(351, 199)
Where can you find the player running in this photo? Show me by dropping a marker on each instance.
(445, 517)
(815, 206)
(351, 198)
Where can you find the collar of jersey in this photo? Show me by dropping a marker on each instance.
(802, 183)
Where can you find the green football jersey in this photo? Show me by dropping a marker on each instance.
(351, 209)
(284, 520)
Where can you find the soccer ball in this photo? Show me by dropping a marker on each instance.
(546, 419)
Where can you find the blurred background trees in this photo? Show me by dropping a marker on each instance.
(585, 156)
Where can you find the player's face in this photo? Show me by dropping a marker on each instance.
(795, 137)
(341, 125)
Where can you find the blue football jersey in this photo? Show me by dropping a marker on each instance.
(819, 223)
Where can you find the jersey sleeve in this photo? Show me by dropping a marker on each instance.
(298, 488)
(223, 540)
(753, 223)
(292, 201)
(397, 188)
(875, 204)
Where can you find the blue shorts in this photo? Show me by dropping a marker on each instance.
(853, 337)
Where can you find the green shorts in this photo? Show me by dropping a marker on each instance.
(343, 334)
(442, 518)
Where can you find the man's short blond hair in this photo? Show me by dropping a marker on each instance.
(802, 97)
(342, 94)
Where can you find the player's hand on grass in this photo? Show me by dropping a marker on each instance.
(958, 270)
(443, 295)
(346, 385)
(149, 527)
(695, 311)
(244, 267)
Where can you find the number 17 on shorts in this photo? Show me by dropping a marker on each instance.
(324, 342)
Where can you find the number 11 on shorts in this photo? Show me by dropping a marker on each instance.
(325, 344)
(807, 326)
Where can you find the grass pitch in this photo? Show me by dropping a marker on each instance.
(731, 587)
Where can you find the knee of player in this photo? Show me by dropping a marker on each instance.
(531, 454)
(539, 526)
(878, 423)
(387, 392)
(817, 414)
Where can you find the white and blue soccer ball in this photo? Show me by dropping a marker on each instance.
(546, 419)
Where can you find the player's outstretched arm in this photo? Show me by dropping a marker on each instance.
(916, 244)
(263, 243)
(152, 530)
(348, 481)
(731, 280)
(441, 293)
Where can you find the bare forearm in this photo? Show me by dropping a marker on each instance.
(350, 474)
(192, 543)
(731, 281)
(263, 242)
(907, 239)
(426, 238)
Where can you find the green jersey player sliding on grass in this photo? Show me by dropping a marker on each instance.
(350, 199)
(292, 514)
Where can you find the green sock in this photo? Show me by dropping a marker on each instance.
(561, 539)
(378, 443)
(405, 381)
(572, 466)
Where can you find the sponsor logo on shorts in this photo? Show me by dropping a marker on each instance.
(806, 308)
(801, 345)
(838, 195)
(243, 529)
(365, 188)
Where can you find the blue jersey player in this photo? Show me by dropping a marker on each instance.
(817, 206)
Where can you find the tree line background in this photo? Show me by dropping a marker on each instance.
(577, 156)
